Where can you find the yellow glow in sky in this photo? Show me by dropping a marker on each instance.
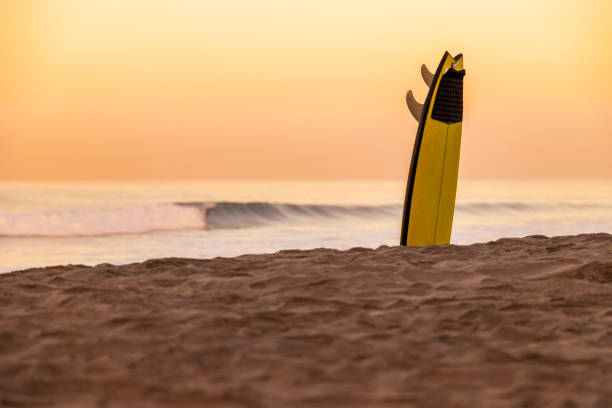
(148, 89)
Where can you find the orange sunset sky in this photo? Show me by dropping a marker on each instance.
(196, 89)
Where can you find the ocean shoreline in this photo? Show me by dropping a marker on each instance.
(511, 322)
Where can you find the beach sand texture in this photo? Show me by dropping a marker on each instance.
(515, 322)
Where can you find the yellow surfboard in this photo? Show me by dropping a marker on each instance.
(432, 182)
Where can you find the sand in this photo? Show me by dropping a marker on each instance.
(516, 322)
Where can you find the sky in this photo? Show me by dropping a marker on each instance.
(267, 89)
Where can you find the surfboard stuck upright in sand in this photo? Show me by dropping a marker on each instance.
(432, 182)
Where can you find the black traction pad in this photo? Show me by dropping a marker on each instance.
(448, 105)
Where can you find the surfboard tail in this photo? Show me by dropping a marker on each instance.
(432, 181)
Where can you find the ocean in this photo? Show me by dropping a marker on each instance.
(89, 223)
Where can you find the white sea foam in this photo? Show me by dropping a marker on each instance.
(130, 219)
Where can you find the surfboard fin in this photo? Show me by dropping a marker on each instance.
(415, 108)
(427, 76)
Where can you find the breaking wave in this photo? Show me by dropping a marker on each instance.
(136, 219)
(241, 215)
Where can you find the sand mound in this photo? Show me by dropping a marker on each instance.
(515, 322)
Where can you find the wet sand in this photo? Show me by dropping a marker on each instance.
(516, 322)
